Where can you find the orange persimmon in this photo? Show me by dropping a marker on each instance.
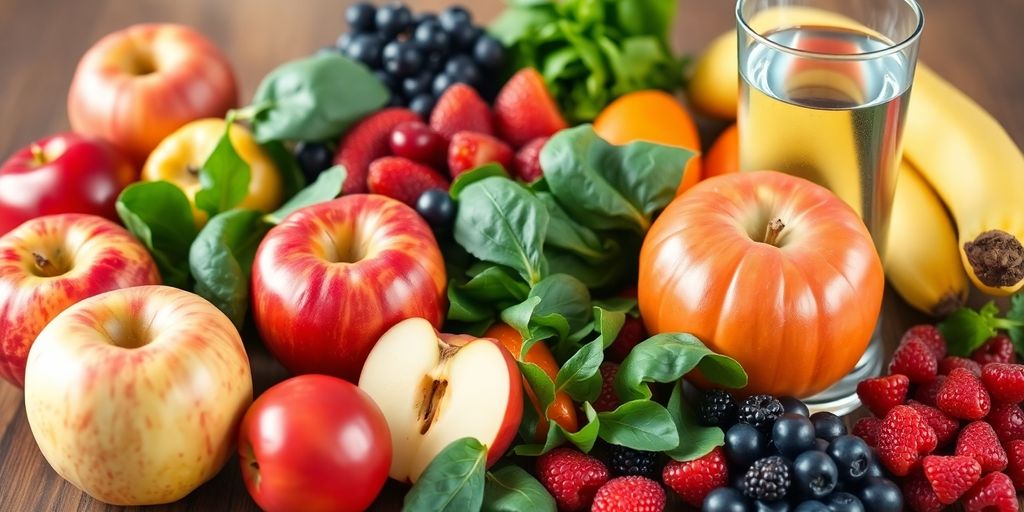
(723, 157)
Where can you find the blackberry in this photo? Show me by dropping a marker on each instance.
(623, 461)
(717, 409)
(760, 411)
(768, 479)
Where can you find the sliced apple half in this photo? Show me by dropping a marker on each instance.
(436, 388)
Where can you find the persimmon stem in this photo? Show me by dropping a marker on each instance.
(773, 231)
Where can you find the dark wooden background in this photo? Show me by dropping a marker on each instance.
(975, 45)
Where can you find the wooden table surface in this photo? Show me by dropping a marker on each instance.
(975, 45)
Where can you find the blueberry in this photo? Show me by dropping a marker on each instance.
(771, 506)
(828, 426)
(465, 36)
(744, 444)
(875, 470)
(434, 61)
(454, 16)
(424, 17)
(430, 36)
(790, 404)
(793, 434)
(462, 69)
(313, 158)
(365, 48)
(393, 19)
(844, 502)
(820, 444)
(489, 52)
(402, 58)
(417, 84)
(437, 208)
(811, 506)
(343, 40)
(360, 16)
(815, 474)
(422, 104)
(725, 499)
(396, 100)
(881, 495)
(441, 82)
(852, 456)
(393, 84)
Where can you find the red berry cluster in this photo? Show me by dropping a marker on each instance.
(952, 427)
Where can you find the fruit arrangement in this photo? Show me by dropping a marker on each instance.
(487, 302)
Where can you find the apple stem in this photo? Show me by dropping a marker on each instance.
(45, 266)
(773, 231)
(38, 155)
(192, 169)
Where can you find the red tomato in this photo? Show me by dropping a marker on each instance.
(314, 443)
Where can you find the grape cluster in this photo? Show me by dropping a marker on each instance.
(420, 56)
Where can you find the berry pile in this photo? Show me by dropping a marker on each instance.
(952, 427)
(582, 482)
(420, 57)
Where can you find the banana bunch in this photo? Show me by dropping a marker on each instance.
(956, 157)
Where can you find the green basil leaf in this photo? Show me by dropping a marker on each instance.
(579, 376)
(462, 307)
(326, 187)
(667, 358)
(565, 296)
(292, 180)
(512, 489)
(518, 23)
(567, 234)
(159, 215)
(607, 186)
(224, 177)
(1016, 314)
(315, 98)
(519, 315)
(608, 323)
(496, 284)
(554, 439)
(586, 436)
(593, 275)
(695, 439)
(484, 171)
(221, 260)
(626, 305)
(966, 329)
(539, 382)
(646, 16)
(453, 481)
(640, 425)
(501, 222)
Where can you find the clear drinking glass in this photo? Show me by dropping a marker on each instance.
(824, 89)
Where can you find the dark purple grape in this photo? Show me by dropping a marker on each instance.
(422, 104)
(462, 69)
(454, 16)
(402, 58)
(441, 82)
(489, 52)
(313, 158)
(343, 40)
(360, 17)
(417, 84)
(464, 37)
(393, 19)
(393, 84)
(430, 36)
(366, 48)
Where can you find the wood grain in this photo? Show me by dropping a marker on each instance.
(975, 45)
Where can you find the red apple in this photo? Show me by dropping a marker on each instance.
(135, 395)
(63, 173)
(49, 263)
(137, 85)
(329, 280)
(437, 388)
(314, 443)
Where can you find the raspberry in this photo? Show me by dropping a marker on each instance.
(949, 362)
(915, 360)
(926, 393)
(571, 477)
(998, 349)
(883, 393)
(945, 427)
(630, 494)
(1008, 422)
(951, 477)
(1015, 467)
(760, 412)
(623, 461)
(963, 396)
(930, 336)
(979, 440)
(919, 496)
(768, 479)
(1004, 382)
(717, 409)
(693, 480)
(903, 439)
(994, 493)
(607, 400)
(867, 429)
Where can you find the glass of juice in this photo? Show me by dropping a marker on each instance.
(824, 89)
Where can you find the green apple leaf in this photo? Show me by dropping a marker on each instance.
(453, 481)
(326, 187)
(667, 358)
(224, 177)
(695, 440)
(641, 425)
(159, 215)
(512, 489)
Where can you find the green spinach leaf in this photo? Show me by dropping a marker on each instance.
(641, 425)
(326, 187)
(454, 480)
(695, 439)
(221, 260)
(512, 489)
(159, 215)
(667, 358)
(224, 177)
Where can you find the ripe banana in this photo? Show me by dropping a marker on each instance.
(922, 260)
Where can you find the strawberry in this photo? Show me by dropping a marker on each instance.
(998, 349)
(630, 494)
(945, 427)
(572, 477)
(631, 334)
(930, 336)
(979, 441)
(951, 477)
(1004, 382)
(402, 179)
(693, 480)
(883, 393)
(460, 109)
(919, 496)
(949, 362)
(867, 429)
(527, 161)
(1008, 422)
(366, 141)
(607, 400)
(915, 360)
(469, 150)
(926, 393)
(994, 493)
(525, 110)
(963, 396)
(903, 438)
(1015, 467)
